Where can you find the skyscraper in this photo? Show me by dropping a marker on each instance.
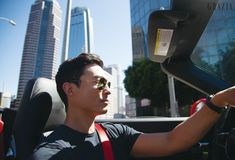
(81, 32)
(41, 45)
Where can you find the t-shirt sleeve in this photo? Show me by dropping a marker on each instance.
(122, 135)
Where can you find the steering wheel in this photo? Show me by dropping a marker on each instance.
(222, 142)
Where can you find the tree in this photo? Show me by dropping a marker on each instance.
(227, 65)
(197, 58)
(145, 79)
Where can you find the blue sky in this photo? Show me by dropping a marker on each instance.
(112, 35)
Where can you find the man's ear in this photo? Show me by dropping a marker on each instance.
(68, 88)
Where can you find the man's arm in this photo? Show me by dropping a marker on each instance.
(185, 134)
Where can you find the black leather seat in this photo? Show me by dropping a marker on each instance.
(41, 110)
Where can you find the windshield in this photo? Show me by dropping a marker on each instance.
(215, 51)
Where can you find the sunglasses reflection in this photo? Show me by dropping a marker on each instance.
(102, 83)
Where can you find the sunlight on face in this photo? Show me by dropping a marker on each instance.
(93, 93)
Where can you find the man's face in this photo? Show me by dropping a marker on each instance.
(92, 94)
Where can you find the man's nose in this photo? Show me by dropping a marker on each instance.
(107, 90)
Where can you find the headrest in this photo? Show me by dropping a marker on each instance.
(41, 109)
(40, 85)
(29, 124)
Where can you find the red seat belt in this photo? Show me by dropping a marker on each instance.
(1, 140)
(106, 145)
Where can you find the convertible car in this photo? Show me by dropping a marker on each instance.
(194, 42)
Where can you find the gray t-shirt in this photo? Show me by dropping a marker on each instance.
(67, 144)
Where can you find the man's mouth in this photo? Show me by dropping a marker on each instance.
(105, 100)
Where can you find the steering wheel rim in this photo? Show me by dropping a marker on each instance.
(221, 129)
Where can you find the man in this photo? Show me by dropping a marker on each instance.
(83, 86)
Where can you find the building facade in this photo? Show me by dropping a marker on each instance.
(41, 45)
(5, 99)
(81, 32)
(130, 106)
(140, 11)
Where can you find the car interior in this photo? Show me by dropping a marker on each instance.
(188, 20)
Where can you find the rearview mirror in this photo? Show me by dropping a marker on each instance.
(174, 32)
(161, 27)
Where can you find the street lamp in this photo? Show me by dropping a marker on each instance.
(8, 20)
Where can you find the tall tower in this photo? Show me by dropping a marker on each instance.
(81, 32)
(41, 45)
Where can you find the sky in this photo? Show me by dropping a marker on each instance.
(112, 35)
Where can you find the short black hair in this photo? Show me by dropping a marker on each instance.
(72, 69)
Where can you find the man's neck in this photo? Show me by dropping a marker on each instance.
(80, 121)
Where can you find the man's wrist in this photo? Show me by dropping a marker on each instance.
(213, 106)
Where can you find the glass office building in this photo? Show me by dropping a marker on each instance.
(140, 11)
(81, 32)
(41, 45)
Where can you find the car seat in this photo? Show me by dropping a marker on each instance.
(41, 110)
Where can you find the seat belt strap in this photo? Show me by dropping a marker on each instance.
(1, 140)
(106, 145)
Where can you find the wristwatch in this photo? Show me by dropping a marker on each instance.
(212, 106)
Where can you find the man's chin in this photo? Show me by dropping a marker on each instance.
(104, 110)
